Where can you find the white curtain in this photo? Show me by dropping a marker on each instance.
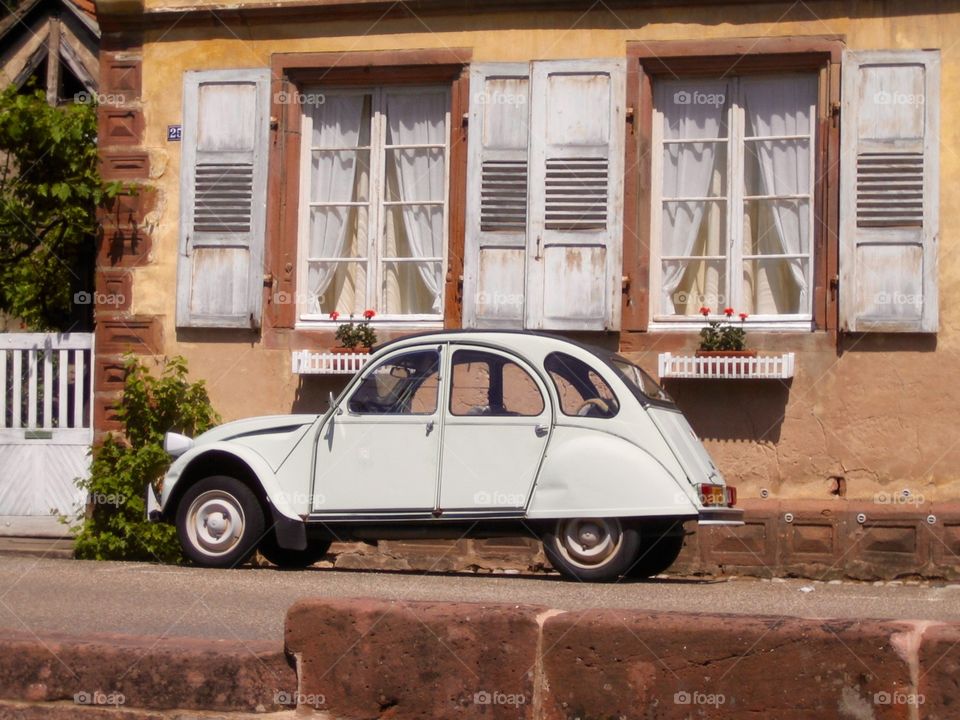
(782, 106)
(691, 111)
(420, 119)
(337, 123)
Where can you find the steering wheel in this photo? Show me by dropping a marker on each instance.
(587, 408)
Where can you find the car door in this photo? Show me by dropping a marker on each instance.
(497, 419)
(378, 452)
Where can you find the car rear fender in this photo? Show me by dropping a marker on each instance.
(186, 470)
(597, 474)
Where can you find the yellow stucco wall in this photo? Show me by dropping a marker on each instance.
(884, 418)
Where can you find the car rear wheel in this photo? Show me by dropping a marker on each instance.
(219, 522)
(659, 549)
(591, 549)
(293, 559)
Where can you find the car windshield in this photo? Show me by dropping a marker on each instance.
(638, 380)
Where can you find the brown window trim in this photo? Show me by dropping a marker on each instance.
(649, 60)
(291, 72)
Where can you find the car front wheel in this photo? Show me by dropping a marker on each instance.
(591, 549)
(219, 522)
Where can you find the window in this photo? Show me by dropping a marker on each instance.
(734, 219)
(407, 384)
(373, 215)
(644, 386)
(581, 390)
(488, 384)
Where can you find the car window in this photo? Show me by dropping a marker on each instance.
(637, 379)
(406, 384)
(581, 390)
(485, 383)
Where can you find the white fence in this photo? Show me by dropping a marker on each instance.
(768, 367)
(307, 362)
(46, 414)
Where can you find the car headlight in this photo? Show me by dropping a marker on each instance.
(175, 444)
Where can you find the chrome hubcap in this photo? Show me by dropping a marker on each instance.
(215, 522)
(589, 542)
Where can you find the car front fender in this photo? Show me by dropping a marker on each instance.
(596, 474)
(258, 467)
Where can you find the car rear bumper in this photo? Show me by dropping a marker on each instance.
(720, 516)
(154, 511)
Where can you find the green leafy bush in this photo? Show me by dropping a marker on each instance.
(50, 189)
(115, 526)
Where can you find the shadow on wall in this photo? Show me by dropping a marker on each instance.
(732, 409)
(313, 392)
(887, 342)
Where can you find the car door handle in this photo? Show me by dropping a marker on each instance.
(541, 430)
(429, 426)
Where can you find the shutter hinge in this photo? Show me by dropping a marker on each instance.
(630, 115)
(625, 284)
(465, 120)
(834, 286)
(268, 280)
(274, 123)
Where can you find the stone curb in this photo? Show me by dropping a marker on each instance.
(373, 659)
(123, 672)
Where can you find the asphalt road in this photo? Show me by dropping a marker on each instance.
(78, 597)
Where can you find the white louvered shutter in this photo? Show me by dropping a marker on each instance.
(496, 235)
(889, 186)
(575, 226)
(223, 183)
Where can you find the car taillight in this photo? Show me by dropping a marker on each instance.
(717, 495)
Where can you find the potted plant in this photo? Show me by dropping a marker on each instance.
(355, 337)
(721, 338)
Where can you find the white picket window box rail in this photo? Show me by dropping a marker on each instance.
(767, 367)
(308, 362)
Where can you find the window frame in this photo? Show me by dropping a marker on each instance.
(505, 358)
(378, 206)
(742, 56)
(736, 196)
(291, 73)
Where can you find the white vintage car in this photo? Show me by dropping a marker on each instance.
(452, 435)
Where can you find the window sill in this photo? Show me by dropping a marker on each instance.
(696, 324)
(767, 367)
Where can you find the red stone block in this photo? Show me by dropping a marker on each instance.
(141, 335)
(114, 291)
(370, 658)
(124, 166)
(623, 664)
(123, 247)
(939, 687)
(886, 540)
(751, 548)
(119, 126)
(120, 76)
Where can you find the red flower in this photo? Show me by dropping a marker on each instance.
(704, 311)
(743, 316)
(334, 315)
(368, 314)
(728, 312)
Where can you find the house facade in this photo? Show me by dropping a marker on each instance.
(601, 171)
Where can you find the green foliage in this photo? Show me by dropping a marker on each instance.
(116, 527)
(722, 334)
(50, 189)
(353, 334)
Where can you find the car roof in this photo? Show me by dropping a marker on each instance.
(518, 340)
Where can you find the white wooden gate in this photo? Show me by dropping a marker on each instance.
(45, 429)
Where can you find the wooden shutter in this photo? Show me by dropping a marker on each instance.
(223, 185)
(496, 232)
(576, 195)
(889, 185)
